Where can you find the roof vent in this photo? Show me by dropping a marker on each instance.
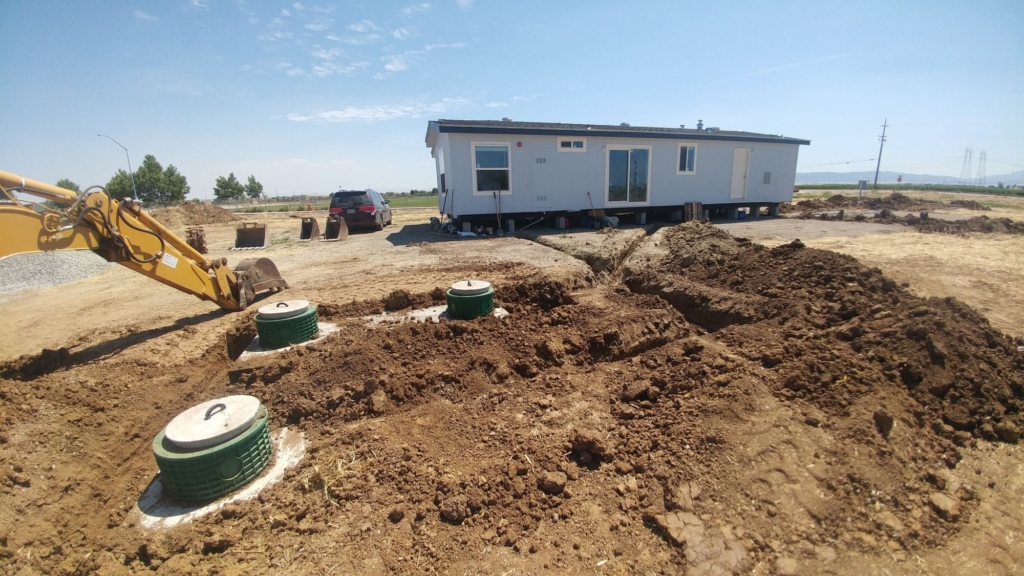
(708, 131)
(624, 124)
(682, 126)
(714, 129)
(506, 119)
(700, 124)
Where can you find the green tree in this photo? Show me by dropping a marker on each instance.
(68, 185)
(228, 188)
(154, 183)
(253, 189)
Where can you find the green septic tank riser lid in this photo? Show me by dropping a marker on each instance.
(286, 323)
(470, 299)
(196, 474)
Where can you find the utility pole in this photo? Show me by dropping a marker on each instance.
(881, 138)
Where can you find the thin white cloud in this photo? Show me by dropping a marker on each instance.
(496, 104)
(357, 40)
(364, 26)
(401, 62)
(380, 112)
(140, 15)
(299, 6)
(318, 27)
(430, 47)
(405, 32)
(286, 12)
(775, 69)
(333, 37)
(295, 72)
(415, 8)
(396, 63)
(327, 54)
(274, 36)
(199, 4)
(254, 20)
(464, 3)
(325, 69)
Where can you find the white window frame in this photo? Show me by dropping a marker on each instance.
(441, 170)
(472, 163)
(679, 152)
(607, 175)
(571, 148)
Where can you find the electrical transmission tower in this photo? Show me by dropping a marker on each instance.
(965, 172)
(980, 175)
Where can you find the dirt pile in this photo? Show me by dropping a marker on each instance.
(727, 407)
(894, 201)
(192, 214)
(977, 224)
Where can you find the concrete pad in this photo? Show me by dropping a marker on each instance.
(433, 314)
(324, 329)
(157, 511)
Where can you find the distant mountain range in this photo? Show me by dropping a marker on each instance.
(890, 177)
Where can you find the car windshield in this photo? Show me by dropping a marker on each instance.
(350, 199)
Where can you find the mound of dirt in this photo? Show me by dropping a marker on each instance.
(977, 224)
(726, 407)
(192, 214)
(894, 201)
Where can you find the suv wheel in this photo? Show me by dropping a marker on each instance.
(379, 224)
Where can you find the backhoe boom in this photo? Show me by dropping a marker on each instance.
(121, 231)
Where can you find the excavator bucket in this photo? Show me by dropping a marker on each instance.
(195, 237)
(251, 235)
(256, 275)
(310, 229)
(337, 229)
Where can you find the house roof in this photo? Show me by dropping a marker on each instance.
(599, 130)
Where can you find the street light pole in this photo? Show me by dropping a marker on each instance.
(131, 175)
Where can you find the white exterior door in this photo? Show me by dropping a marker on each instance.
(740, 164)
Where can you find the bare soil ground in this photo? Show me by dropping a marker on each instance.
(657, 401)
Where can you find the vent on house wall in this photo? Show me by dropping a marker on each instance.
(542, 160)
(767, 177)
(542, 198)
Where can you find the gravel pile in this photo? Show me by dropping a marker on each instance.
(47, 269)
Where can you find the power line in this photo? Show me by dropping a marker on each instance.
(837, 163)
(1007, 163)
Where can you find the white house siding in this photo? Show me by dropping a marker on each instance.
(561, 183)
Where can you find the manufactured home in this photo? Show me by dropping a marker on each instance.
(526, 170)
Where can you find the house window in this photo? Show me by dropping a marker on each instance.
(687, 159)
(491, 168)
(767, 177)
(572, 144)
(629, 170)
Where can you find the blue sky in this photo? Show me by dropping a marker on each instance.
(309, 96)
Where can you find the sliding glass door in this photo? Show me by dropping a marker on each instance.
(628, 172)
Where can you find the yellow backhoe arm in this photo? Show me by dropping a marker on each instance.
(120, 231)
